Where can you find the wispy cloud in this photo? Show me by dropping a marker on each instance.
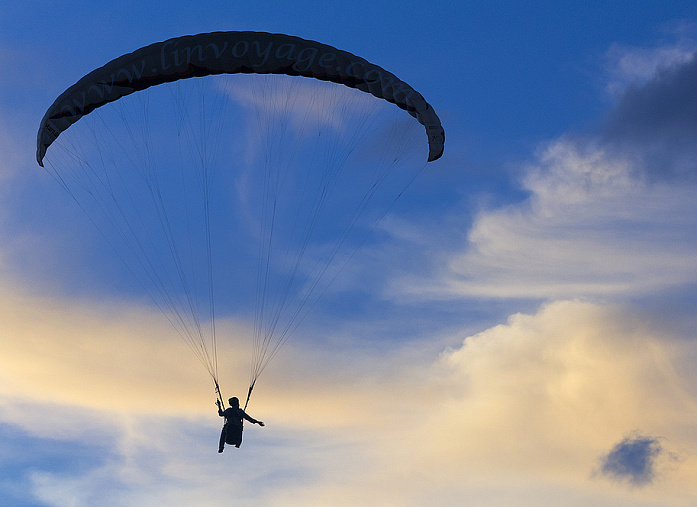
(588, 228)
(105, 356)
(629, 66)
(303, 103)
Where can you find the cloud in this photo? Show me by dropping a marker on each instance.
(106, 356)
(302, 103)
(327, 144)
(589, 228)
(629, 66)
(633, 460)
(655, 124)
(653, 121)
(606, 216)
(520, 410)
(536, 400)
(659, 105)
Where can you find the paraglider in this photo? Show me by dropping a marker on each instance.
(230, 53)
(231, 433)
(298, 163)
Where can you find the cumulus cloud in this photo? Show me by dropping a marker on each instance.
(538, 399)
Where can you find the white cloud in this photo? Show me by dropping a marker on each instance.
(590, 227)
(632, 66)
(302, 103)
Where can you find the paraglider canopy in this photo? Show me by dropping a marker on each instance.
(230, 53)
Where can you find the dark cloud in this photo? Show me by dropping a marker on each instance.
(655, 124)
(632, 460)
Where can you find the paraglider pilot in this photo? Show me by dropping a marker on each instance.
(232, 429)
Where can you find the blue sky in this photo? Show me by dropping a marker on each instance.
(518, 331)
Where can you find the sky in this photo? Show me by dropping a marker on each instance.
(518, 331)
